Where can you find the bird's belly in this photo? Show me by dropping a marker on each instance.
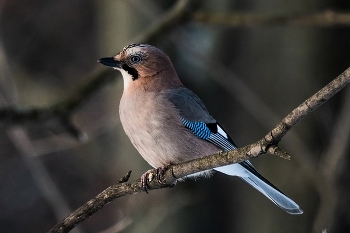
(160, 148)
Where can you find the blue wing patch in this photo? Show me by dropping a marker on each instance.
(198, 128)
(211, 132)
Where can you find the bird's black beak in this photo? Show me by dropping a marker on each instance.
(110, 61)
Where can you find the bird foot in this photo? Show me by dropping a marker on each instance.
(151, 174)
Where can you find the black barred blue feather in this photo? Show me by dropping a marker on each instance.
(211, 132)
(199, 129)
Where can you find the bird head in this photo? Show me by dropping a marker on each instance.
(145, 66)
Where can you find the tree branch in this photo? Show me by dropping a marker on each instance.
(61, 111)
(308, 106)
(268, 144)
(326, 18)
(180, 13)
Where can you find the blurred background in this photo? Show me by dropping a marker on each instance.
(249, 76)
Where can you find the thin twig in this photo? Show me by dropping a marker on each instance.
(120, 189)
(308, 106)
(326, 18)
(179, 14)
(62, 111)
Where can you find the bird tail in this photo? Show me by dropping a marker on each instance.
(247, 172)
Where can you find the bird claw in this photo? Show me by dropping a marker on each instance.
(151, 174)
(148, 175)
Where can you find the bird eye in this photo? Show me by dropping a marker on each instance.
(135, 58)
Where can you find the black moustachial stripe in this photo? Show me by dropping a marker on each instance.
(131, 71)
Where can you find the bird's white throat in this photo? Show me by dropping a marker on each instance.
(126, 77)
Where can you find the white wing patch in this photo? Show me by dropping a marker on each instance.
(221, 139)
(233, 170)
(221, 131)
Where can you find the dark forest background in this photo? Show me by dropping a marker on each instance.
(249, 75)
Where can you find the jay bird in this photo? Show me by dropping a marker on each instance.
(168, 124)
